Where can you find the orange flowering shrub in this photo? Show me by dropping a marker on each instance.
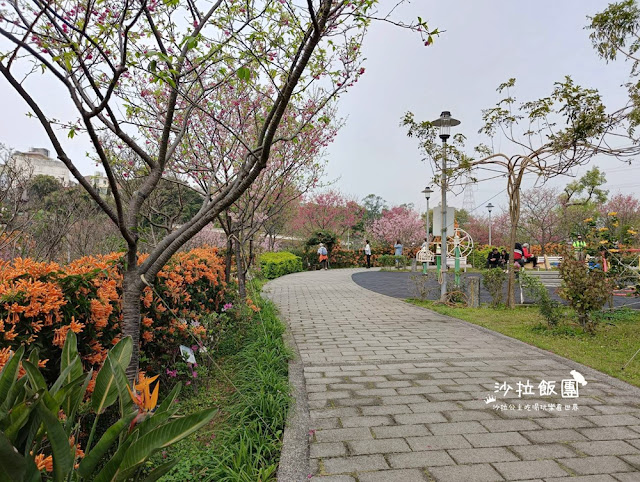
(41, 302)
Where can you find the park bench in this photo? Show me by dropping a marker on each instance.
(545, 262)
(451, 263)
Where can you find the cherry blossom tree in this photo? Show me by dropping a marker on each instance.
(136, 73)
(327, 211)
(541, 216)
(399, 223)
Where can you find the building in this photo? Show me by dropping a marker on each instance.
(100, 183)
(38, 163)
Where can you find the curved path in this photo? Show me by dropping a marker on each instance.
(393, 392)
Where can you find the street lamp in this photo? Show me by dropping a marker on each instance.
(490, 207)
(445, 122)
(427, 194)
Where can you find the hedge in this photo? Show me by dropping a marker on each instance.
(41, 302)
(274, 265)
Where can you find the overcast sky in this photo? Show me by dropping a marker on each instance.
(485, 43)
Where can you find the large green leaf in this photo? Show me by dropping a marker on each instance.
(163, 436)
(66, 376)
(76, 398)
(15, 393)
(91, 460)
(38, 382)
(105, 392)
(13, 466)
(20, 414)
(111, 469)
(10, 373)
(160, 470)
(124, 399)
(62, 459)
(69, 355)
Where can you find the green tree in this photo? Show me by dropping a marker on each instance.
(547, 137)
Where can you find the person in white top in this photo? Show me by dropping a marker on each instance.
(323, 256)
(367, 252)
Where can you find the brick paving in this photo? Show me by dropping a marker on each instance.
(397, 393)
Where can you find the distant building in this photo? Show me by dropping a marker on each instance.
(100, 183)
(38, 162)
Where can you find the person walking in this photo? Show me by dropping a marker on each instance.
(367, 253)
(579, 248)
(323, 257)
(398, 251)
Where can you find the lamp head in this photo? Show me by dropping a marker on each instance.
(427, 192)
(445, 122)
(490, 207)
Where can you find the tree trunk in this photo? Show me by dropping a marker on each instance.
(242, 290)
(513, 189)
(227, 260)
(131, 290)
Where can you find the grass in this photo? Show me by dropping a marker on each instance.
(616, 339)
(244, 442)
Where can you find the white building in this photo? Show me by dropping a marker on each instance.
(38, 162)
(99, 182)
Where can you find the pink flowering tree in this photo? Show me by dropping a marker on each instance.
(399, 223)
(135, 74)
(327, 211)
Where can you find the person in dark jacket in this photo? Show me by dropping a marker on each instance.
(493, 259)
(504, 259)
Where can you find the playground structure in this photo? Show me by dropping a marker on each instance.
(457, 248)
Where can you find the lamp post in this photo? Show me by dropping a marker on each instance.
(427, 194)
(445, 122)
(490, 207)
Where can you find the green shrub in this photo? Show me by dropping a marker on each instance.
(586, 290)
(549, 308)
(274, 265)
(386, 260)
(42, 437)
(493, 280)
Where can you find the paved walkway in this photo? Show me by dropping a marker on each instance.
(397, 393)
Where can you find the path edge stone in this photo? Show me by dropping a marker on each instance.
(294, 457)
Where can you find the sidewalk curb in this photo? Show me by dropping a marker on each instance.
(294, 458)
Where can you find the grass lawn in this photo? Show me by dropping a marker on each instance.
(244, 441)
(617, 335)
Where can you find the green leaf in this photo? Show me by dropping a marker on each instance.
(244, 74)
(121, 383)
(163, 436)
(65, 377)
(62, 459)
(106, 391)
(91, 460)
(10, 374)
(160, 470)
(112, 469)
(21, 413)
(38, 382)
(69, 355)
(76, 398)
(13, 466)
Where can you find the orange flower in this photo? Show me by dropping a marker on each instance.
(146, 321)
(147, 336)
(145, 400)
(44, 463)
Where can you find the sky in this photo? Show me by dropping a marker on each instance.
(484, 43)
